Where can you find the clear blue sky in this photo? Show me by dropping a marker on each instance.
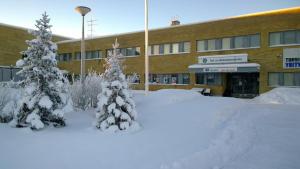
(119, 16)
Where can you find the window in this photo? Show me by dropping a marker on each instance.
(126, 52)
(254, 41)
(201, 45)
(226, 43)
(89, 55)
(274, 39)
(96, 54)
(156, 49)
(9, 73)
(167, 48)
(218, 45)
(208, 78)
(284, 38)
(77, 55)
(186, 47)
(64, 57)
(161, 49)
(180, 78)
(238, 42)
(211, 44)
(284, 79)
(173, 48)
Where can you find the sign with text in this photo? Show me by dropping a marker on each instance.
(220, 69)
(291, 58)
(219, 59)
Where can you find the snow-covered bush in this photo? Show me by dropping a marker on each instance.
(84, 94)
(116, 109)
(9, 99)
(46, 96)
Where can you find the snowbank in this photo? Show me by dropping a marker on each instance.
(280, 96)
(181, 129)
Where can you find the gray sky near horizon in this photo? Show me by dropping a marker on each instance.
(119, 16)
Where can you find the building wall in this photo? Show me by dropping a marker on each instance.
(12, 42)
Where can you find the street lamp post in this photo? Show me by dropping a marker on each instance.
(83, 11)
(146, 50)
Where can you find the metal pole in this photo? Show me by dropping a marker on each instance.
(146, 50)
(82, 72)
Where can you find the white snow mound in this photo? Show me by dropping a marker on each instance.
(282, 95)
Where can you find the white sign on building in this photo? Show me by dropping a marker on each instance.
(220, 69)
(219, 59)
(291, 58)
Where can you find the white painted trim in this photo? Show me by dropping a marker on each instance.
(228, 49)
(284, 45)
(171, 54)
(168, 84)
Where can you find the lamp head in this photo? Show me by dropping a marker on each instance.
(83, 10)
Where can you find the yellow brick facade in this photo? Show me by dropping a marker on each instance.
(13, 42)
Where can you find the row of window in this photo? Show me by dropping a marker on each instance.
(290, 37)
(284, 38)
(236, 42)
(170, 48)
(179, 78)
(127, 52)
(97, 54)
(284, 79)
(8, 74)
(274, 79)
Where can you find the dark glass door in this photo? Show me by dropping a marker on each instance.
(244, 85)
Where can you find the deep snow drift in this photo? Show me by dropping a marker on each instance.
(180, 129)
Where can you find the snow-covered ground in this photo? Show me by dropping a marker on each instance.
(180, 129)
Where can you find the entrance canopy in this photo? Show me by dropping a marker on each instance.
(233, 67)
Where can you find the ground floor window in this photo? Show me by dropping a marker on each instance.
(284, 79)
(178, 78)
(208, 78)
(9, 73)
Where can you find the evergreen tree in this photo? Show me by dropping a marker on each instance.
(46, 96)
(116, 109)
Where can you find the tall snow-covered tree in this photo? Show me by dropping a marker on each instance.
(46, 97)
(116, 109)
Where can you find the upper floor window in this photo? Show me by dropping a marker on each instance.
(170, 48)
(290, 37)
(236, 42)
(64, 57)
(89, 55)
(127, 52)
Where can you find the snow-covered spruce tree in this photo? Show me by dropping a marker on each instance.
(46, 97)
(116, 109)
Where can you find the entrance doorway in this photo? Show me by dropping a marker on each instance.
(242, 85)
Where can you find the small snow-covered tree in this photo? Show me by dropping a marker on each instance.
(116, 109)
(46, 97)
(85, 95)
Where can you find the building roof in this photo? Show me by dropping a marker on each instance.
(26, 29)
(292, 10)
